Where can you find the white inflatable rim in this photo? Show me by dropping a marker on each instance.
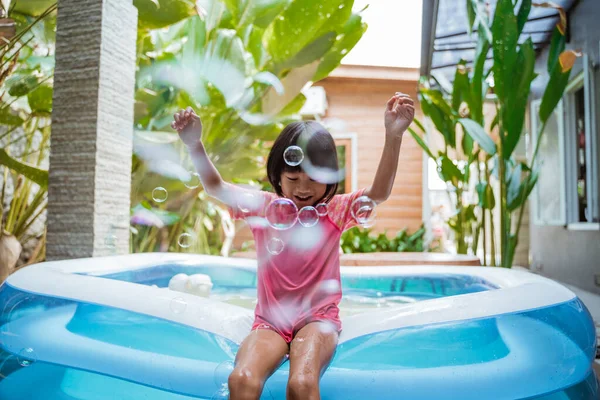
(81, 280)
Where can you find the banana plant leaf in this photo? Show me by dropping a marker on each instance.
(559, 77)
(448, 171)
(421, 143)
(40, 100)
(485, 194)
(441, 114)
(523, 15)
(7, 117)
(258, 12)
(347, 38)
(513, 181)
(32, 8)
(516, 200)
(19, 85)
(312, 52)
(471, 15)
(558, 43)
(253, 41)
(518, 95)
(298, 25)
(156, 14)
(513, 68)
(479, 135)
(461, 87)
(34, 174)
(479, 86)
(506, 37)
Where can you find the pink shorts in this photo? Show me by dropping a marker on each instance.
(327, 314)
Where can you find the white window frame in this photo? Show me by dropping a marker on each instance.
(583, 80)
(559, 112)
(353, 137)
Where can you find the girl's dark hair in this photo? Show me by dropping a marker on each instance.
(319, 151)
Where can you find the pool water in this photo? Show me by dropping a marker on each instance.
(360, 294)
(353, 302)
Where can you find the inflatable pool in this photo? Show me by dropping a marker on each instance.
(110, 328)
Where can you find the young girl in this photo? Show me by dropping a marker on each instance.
(298, 285)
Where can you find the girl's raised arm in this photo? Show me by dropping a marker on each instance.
(188, 125)
(399, 114)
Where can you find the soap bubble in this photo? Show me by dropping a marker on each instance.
(368, 224)
(307, 238)
(293, 156)
(194, 181)
(315, 169)
(363, 210)
(222, 373)
(257, 222)
(185, 240)
(308, 216)
(248, 202)
(160, 194)
(111, 242)
(324, 290)
(321, 209)
(26, 357)
(275, 246)
(281, 214)
(288, 311)
(335, 124)
(178, 305)
(323, 174)
(330, 286)
(326, 327)
(143, 216)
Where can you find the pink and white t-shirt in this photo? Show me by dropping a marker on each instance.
(301, 284)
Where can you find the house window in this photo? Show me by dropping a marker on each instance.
(581, 164)
(581, 156)
(549, 203)
(347, 154)
(567, 190)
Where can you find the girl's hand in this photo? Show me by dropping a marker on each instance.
(188, 125)
(399, 114)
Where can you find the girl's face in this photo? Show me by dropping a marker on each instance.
(301, 189)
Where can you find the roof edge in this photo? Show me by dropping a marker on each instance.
(428, 27)
(373, 72)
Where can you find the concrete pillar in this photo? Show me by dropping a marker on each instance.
(92, 127)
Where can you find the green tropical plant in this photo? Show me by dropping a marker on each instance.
(242, 65)
(454, 113)
(362, 240)
(513, 73)
(457, 112)
(26, 70)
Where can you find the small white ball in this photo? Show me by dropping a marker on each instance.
(199, 285)
(178, 282)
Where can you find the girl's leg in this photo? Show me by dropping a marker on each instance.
(258, 357)
(310, 353)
